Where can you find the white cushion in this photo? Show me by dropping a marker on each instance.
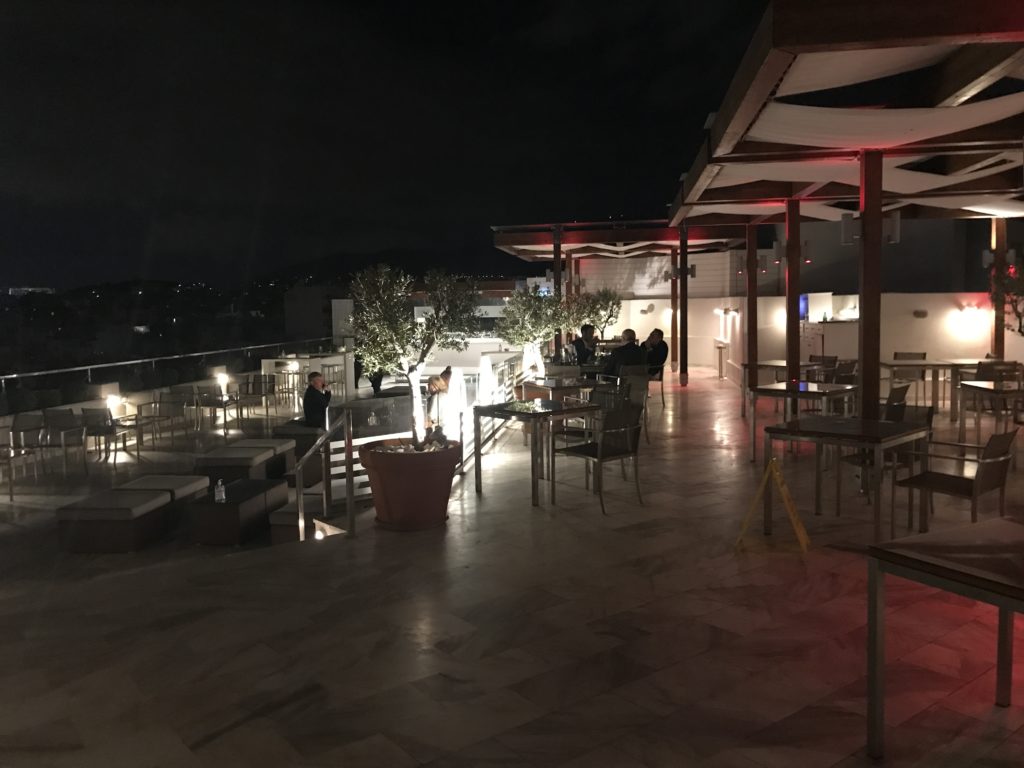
(278, 446)
(229, 456)
(114, 505)
(179, 486)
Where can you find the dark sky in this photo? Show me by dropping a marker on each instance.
(180, 139)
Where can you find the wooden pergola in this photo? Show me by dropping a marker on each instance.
(865, 109)
(565, 245)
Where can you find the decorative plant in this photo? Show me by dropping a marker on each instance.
(607, 305)
(389, 337)
(530, 318)
(1011, 285)
(577, 309)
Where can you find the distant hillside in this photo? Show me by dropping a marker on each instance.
(336, 268)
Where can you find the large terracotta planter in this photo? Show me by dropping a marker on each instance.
(410, 490)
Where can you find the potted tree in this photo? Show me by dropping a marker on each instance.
(606, 305)
(411, 479)
(530, 319)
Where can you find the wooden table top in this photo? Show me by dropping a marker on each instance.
(987, 555)
(803, 388)
(844, 428)
(534, 409)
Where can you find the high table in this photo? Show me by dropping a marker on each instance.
(935, 366)
(774, 365)
(1003, 394)
(791, 391)
(554, 388)
(956, 365)
(860, 434)
(984, 562)
(537, 413)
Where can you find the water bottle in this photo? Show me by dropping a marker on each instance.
(219, 494)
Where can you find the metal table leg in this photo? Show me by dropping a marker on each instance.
(818, 448)
(768, 486)
(477, 473)
(535, 462)
(876, 483)
(753, 426)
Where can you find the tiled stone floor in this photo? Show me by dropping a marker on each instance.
(514, 637)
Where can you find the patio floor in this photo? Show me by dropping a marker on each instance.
(513, 637)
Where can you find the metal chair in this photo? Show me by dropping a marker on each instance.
(616, 437)
(64, 430)
(826, 371)
(846, 372)
(914, 374)
(27, 439)
(100, 424)
(637, 379)
(989, 473)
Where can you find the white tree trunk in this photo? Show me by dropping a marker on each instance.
(533, 359)
(418, 423)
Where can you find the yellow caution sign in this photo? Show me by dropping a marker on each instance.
(772, 472)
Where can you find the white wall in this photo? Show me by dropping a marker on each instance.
(645, 277)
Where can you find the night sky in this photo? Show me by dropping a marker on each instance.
(220, 140)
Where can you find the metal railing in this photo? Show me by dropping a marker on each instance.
(88, 369)
(322, 448)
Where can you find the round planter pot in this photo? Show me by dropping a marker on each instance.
(410, 490)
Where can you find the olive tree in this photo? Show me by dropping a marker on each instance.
(605, 309)
(530, 318)
(391, 339)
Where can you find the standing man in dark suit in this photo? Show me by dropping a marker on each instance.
(630, 353)
(315, 401)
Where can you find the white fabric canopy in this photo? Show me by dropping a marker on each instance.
(811, 209)
(1001, 206)
(875, 128)
(832, 69)
(894, 178)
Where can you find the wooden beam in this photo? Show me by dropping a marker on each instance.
(556, 273)
(674, 330)
(759, 72)
(694, 183)
(684, 304)
(870, 339)
(999, 248)
(752, 273)
(665, 235)
(971, 69)
(807, 26)
(793, 260)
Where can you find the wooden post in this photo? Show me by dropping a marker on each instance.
(751, 307)
(793, 259)
(557, 279)
(684, 304)
(999, 248)
(870, 338)
(674, 330)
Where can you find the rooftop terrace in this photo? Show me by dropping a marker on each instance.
(513, 636)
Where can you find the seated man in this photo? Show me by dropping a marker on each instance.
(585, 345)
(657, 352)
(315, 401)
(630, 353)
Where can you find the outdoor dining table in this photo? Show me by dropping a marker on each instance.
(934, 366)
(983, 562)
(956, 365)
(1003, 394)
(774, 365)
(794, 391)
(537, 413)
(554, 388)
(868, 435)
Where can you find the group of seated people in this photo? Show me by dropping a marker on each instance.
(652, 353)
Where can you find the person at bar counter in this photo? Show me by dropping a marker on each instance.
(585, 345)
(630, 353)
(315, 401)
(657, 352)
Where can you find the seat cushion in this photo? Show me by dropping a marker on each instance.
(277, 445)
(230, 456)
(179, 486)
(938, 482)
(115, 505)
